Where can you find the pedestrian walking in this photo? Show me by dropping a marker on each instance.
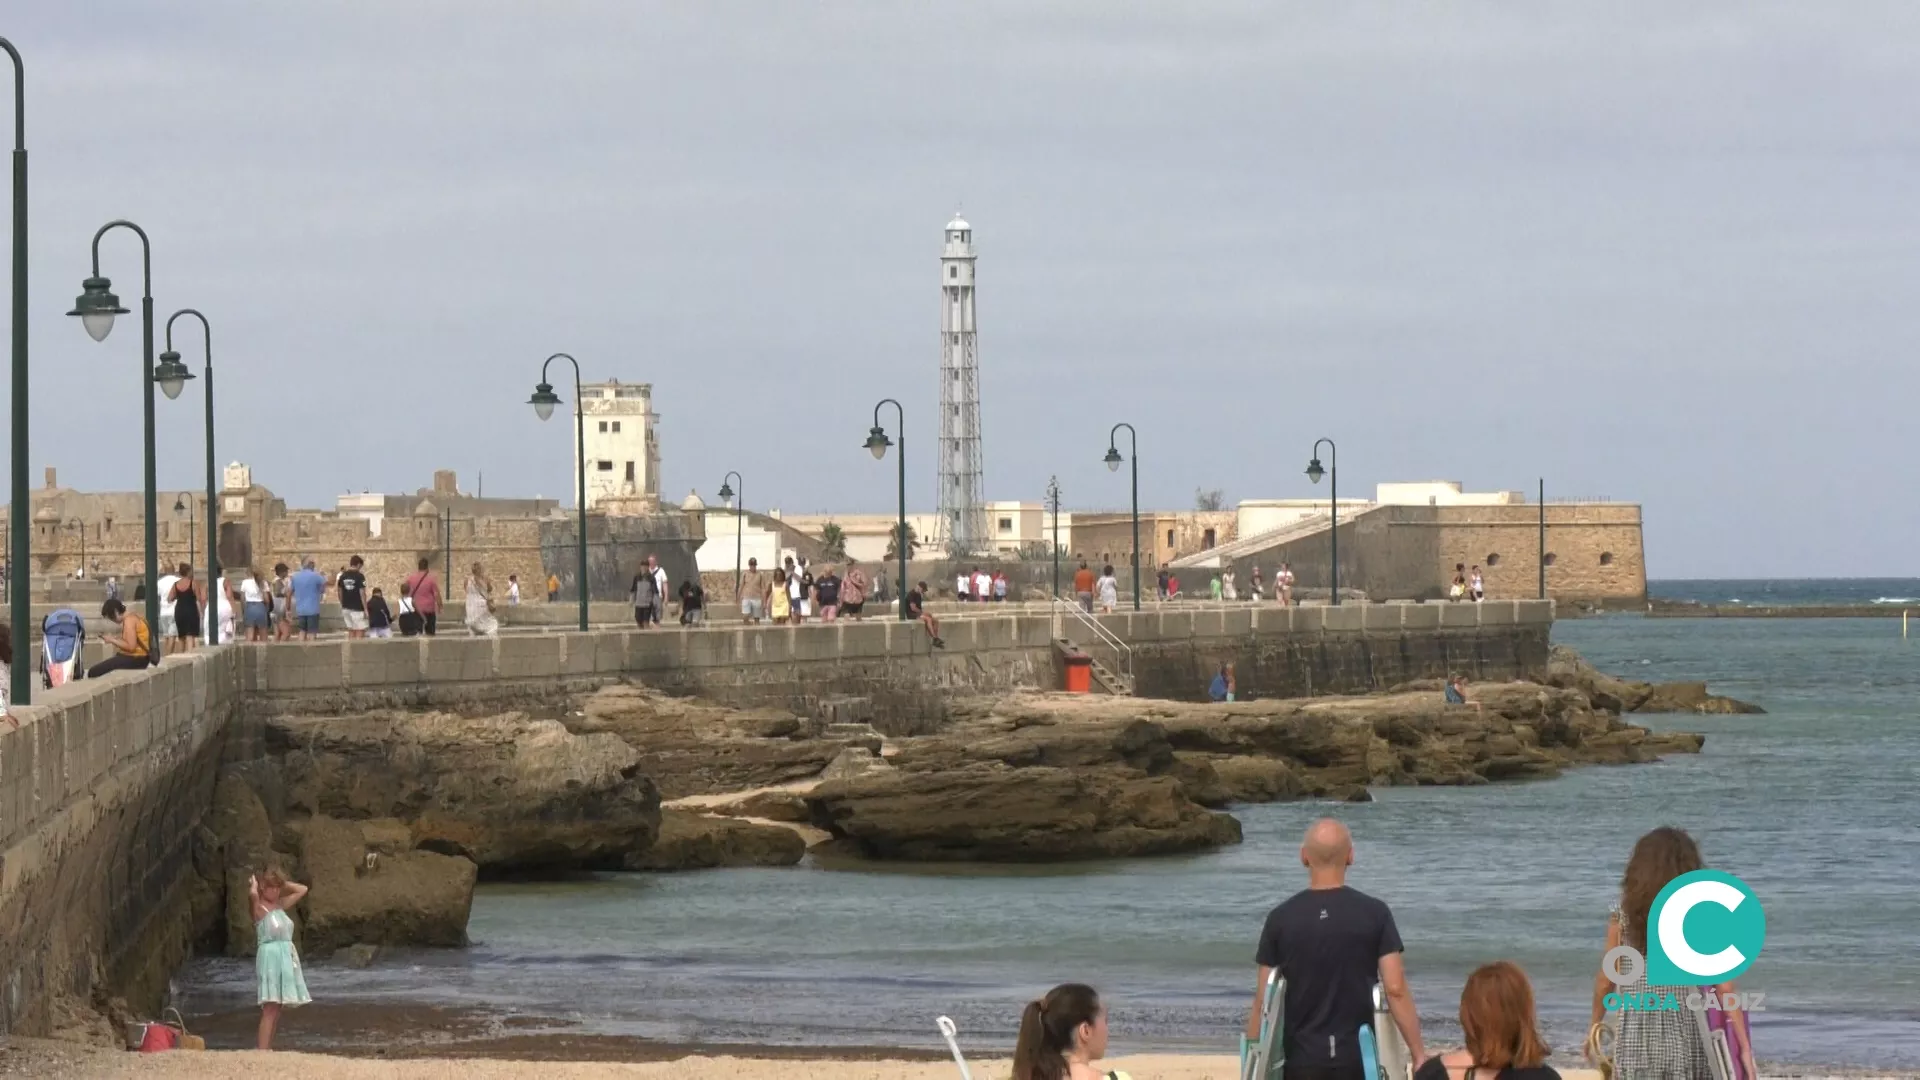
(513, 590)
(1163, 583)
(553, 587)
(352, 587)
(1083, 587)
(1226, 586)
(1476, 585)
(962, 587)
(280, 595)
(379, 616)
(693, 603)
(826, 594)
(424, 589)
(853, 591)
(1253, 585)
(753, 593)
(309, 587)
(999, 586)
(645, 594)
(982, 586)
(1283, 585)
(659, 589)
(779, 599)
(255, 608)
(805, 590)
(1109, 589)
(480, 620)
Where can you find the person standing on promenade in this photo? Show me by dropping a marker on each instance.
(1253, 585)
(962, 586)
(276, 962)
(167, 628)
(982, 586)
(917, 609)
(1215, 591)
(309, 587)
(1655, 1044)
(1503, 1038)
(779, 599)
(1062, 1035)
(1476, 585)
(480, 620)
(753, 593)
(352, 586)
(794, 593)
(1226, 585)
(553, 587)
(1109, 589)
(187, 610)
(804, 609)
(1165, 582)
(853, 591)
(645, 595)
(1083, 587)
(280, 603)
(423, 588)
(1330, 943)
(379, 616)
(659, 588)
(254, 611)
(1283, 584)
(999, 586)
(513, 590)
(826, 591)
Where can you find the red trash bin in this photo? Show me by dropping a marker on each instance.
(1079, 673)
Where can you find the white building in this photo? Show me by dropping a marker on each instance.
(623, 458)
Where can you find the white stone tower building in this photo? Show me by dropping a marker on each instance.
(623, 458)
(963, 517)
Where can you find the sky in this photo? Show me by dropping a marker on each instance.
(1659, 253)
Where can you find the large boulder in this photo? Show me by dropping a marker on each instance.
(508, 792)
(360, 897)
(689, 747)
(991, 812)
(1567, 668)
(690, 841)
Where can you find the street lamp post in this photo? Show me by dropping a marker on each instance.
(1053, 496)
(877, 444)
(170, 369)
(543, 401)
(1314, 473)
(739, 509)
(183, 504)
(96, 308)
(1113, 465)
(20, 540)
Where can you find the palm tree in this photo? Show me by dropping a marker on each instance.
(833, 542)
(893, 549)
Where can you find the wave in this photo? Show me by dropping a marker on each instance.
(1896, 600)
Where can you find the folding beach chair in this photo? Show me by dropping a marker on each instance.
(952, 1035)
(1265, 1058)
(1392, 1060)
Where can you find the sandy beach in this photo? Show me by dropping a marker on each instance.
(46, 1058)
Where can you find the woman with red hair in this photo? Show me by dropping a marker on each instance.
(1503, 1039)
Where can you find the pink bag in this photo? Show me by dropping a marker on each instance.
(159, 1037)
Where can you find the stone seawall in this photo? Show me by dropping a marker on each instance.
(1279, 652)
(101, 789)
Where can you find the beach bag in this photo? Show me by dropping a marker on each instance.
(159, 1038)
(187, 1041)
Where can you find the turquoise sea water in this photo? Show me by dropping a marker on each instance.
(1811, 804)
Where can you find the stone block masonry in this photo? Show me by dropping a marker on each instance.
(101, 789)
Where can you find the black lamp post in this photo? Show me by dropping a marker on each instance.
(1314, 473)
(96, 308)
(877, 444)
(1113, 465)
(172, 369)
(183, 504)
(1053, 496)
(20, 540)
(543, 401)
(739, 509)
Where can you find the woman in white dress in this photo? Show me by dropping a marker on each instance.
(480, 620)
(1109, 589)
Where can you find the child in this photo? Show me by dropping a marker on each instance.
(513, 589)
(379, 617)
(411, 621)
(276, 962)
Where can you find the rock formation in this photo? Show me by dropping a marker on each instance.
(508, 792)
(359, 895)
(1568, 669)
(691, 841)
(989, 812)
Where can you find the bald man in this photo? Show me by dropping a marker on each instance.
(1331, 943)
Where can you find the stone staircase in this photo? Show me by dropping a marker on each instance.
(1105, 680)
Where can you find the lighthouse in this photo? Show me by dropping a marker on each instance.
(963, 515)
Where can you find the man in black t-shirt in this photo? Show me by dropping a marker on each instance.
(917, 609)
(1330, 943)
(826, 595)
(353, 598)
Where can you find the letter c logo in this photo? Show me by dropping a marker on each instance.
(1739, 921)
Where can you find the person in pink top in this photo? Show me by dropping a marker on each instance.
(424, 590)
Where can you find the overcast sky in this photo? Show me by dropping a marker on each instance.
(1663, 253)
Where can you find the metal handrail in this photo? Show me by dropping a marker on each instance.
(1121, 650)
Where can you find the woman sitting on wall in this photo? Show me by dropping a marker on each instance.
(132, 647)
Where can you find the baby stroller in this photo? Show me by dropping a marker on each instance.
(63, 633)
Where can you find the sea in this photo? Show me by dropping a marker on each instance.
(1812, 804)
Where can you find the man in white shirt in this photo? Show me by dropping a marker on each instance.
(962, 585)
(167, 581)
(982, 586)
(659, 587)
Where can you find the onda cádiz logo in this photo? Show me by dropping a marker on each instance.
(1706, 928)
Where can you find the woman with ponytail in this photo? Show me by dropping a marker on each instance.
(1062, 1035)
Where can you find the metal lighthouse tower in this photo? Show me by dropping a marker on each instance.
(963, 511)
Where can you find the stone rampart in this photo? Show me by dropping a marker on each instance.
(101, 789)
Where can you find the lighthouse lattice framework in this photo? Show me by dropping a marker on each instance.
(963, 511)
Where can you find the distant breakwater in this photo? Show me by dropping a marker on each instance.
(1687, 609)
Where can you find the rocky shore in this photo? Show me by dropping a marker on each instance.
(392, 817)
